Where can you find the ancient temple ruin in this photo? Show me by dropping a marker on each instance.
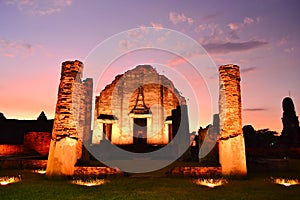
(231, 141)
(136, 109)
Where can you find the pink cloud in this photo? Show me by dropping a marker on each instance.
(233, 26)
(282, 41)
(10, 48)
(221, 61)
(175, 61)
(156, 25)
(248, 20)
(236, 28)
(8, 54)
(190, 21)
(176, 18)
(258, 19)
(124, 45)
(289, 50)
(201, 27)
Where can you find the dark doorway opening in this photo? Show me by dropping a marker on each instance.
(107, 129)
(140, 131)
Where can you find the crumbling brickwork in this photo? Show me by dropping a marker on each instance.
(38, 141)
(120, 97)
(72, 119)
(231, 142)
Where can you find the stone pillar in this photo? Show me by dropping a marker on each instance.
(231, 141)
(67, 133)
(180, 125)
(85, 120)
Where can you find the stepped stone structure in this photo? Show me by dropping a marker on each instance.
(136, 108)
(231, 141)
(290, 134)
(72, 120)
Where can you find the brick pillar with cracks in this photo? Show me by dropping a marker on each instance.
(231, 141)
(66, 142)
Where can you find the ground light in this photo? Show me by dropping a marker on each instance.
(40, 171)
(284, 181)
(9, 180)
(89, 182)
(210, 182)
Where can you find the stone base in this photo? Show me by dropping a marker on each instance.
(62, 157)
(232, 156)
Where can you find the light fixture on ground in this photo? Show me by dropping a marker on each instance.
(285, 181)
(40, 171)
(89, 182)
(211, 182)
(8, 180)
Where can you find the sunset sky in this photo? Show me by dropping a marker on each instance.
(262, 37)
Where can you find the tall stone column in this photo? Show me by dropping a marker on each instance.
(231, 141)
(66, 144)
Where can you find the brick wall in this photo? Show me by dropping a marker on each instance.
(7, 149)
(38, 141)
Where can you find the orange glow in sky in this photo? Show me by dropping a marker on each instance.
(261, 37)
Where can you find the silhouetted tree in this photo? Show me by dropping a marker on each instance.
(259, 138)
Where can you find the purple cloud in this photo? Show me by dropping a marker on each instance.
(229, 47)
(248, 69)
(254, 109)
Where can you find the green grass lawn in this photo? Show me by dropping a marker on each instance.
(255, 186)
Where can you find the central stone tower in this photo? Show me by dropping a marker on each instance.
(136, 108)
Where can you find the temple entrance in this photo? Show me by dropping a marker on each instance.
(107, 129)
(140, 131)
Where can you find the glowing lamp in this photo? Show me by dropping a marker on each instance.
(89, 183)
(211, 183)
(40, 171)
(285, 182)
(8, 180)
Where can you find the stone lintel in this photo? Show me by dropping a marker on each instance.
(132, 115)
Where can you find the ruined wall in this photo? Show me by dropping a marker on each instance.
(10, 149)
(38, 141)
(22, 164)
(96, 171)
(71, 125)
(119, 98)
(153, 93)
(35, 143)
(231, 141)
